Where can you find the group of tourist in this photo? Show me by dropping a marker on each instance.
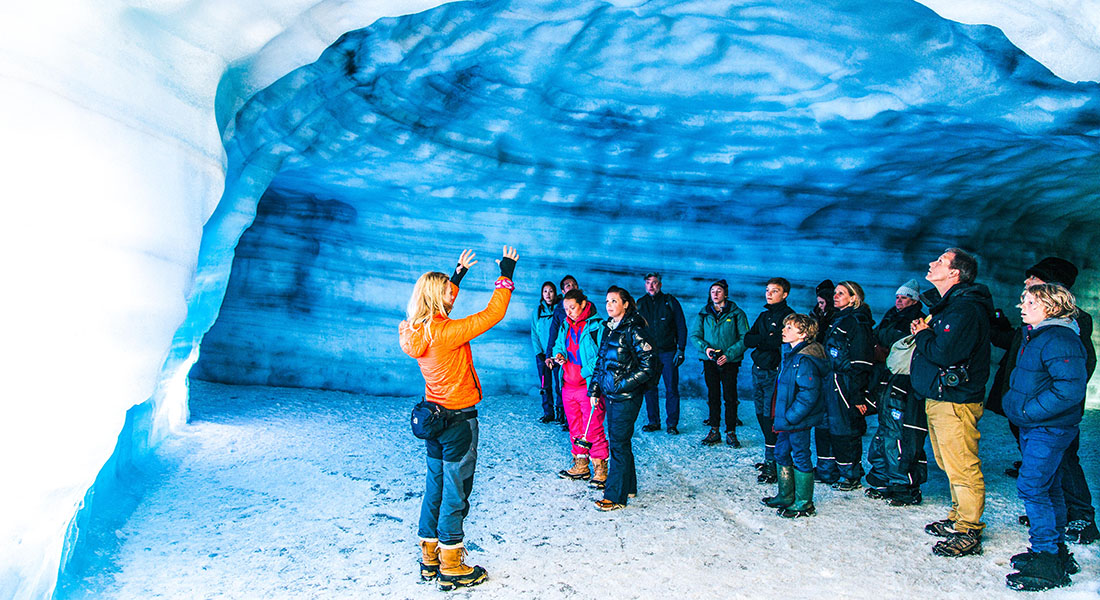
(822, 372)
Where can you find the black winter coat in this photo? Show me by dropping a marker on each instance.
(665, 326)
(958, 335)
(849, 349)
(895, 324)
(766, 335)
(626, 360)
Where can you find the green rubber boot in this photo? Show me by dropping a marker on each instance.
(786, 489)
(803, 505)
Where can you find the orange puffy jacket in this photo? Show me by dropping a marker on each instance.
(443, 351)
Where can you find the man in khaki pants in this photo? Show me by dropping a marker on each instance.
(949, 370)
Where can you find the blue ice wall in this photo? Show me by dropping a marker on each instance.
(744, 140)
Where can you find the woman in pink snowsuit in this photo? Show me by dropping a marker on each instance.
(575, 350)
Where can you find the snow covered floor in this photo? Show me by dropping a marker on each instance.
(285, 493)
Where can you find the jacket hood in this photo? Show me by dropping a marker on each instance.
(813, 349)
(415, 340)
(1059, 322)
(975, 293)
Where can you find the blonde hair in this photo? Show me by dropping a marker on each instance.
(1057, 301)
(805, 324)
(855, 291)
(429, 298)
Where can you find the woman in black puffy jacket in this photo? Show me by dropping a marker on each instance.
(849, 347)
(625, 365)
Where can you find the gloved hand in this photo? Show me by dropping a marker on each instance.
(679, 359)
(541, 357)
(507, 262)
(465, 261)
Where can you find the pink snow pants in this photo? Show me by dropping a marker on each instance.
(577, 407)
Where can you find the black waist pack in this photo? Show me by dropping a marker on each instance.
(429, 419)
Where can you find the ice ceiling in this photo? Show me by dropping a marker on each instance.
(660, 129)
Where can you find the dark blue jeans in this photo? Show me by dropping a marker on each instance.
(763, 388)
(670, 374)
(622, 479)
(792, 449)
(546, 387)
(452, 458)
(1040, 484)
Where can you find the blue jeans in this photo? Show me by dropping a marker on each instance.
(622, 478)
(452, 458)
(763, 388)
(792, 449)
(1040, 484)
(670, 373)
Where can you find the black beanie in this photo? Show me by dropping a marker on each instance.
(1054, 270)
(722, 284)
(825, 290)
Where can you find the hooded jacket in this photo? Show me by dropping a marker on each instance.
(587, 333)
(626, 360)
(958, 335)
(724, 331)
(895, 324)
(541, 319)
(765, 335)
(442, 350)
(849, 349)
(1047, 386)
(800, 389)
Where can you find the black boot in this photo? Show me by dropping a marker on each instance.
(731, 439)
(785, 496)
(1082, 532)
(1042, 571)
(1068, 562)
(767, 474)
(713, 438)
(905, 497)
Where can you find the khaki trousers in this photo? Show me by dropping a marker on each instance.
(953, 431)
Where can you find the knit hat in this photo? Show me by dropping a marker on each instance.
(1054, 270)
(722, 284)
(825, 290)
(911, 289)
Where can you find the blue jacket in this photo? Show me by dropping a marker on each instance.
(541, 319)
(801, 388)
(1047, 386)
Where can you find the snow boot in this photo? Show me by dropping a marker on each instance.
(875, 493)
(767, 474)
(908, 496)
(713, 438)
(731, 439)
(963, 543)
(847, 485)
(803, 505)
(579, 469)
(429, 559)
(785, 496)
(942, 528)
(454, 572)
(1082, 532)
(1068, 562)
(1042, 572)
(599, 478)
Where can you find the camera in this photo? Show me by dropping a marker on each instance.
(716, 354)
(954, 376)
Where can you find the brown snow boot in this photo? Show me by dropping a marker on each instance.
(429, 559)
(600, 476)
(579, 470)
(453, 572)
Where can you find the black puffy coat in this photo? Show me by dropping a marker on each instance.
(958, 335)
(626, 360)
(765, 336)
(895, 324)
(849, 349)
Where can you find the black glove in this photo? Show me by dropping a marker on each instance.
(541, 358)
(679, 359)
(460, 271)
(507, 267)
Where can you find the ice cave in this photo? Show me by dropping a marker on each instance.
(219, 199)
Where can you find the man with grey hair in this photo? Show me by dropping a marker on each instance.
(667, 329)
(949, 370)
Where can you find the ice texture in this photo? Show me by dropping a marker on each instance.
(702, 140)
(112, 118)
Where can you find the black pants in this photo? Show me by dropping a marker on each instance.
(622, 478)
(721, 391)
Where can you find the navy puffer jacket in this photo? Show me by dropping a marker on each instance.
(1047, 386)
(801, 388)
(849, 349)
(626, 361)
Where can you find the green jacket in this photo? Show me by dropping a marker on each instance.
(725, 332)
(540, 326)
(589, 344)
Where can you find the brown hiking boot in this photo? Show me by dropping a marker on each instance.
(453, 572)
(579, 470)
(429, 559)
(599, 478)
(963, 543)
